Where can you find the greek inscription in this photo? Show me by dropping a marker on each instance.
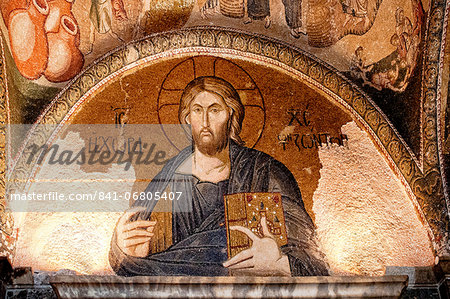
(300, 119)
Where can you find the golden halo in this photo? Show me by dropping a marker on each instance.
(184, 72)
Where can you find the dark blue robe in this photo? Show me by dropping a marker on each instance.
(198, 234)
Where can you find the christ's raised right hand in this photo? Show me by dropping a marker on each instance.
(133, 237)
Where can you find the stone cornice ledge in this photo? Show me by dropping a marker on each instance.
(91, 286)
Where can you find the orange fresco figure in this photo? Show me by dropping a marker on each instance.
(119, 10)
(65, 59)
(29, 45)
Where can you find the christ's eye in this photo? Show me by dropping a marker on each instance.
(215, 110)
(197, 110)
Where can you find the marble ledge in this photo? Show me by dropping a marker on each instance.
(72, 286)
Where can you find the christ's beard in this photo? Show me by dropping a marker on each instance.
(213, 145)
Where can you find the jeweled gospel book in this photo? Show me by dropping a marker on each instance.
(247, 209)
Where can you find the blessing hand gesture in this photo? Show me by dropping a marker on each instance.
(264, 257)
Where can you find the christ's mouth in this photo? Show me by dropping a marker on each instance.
(205, 132)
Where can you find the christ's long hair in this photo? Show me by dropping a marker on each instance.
(221, 88)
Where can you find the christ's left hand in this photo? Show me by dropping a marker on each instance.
(263, 258)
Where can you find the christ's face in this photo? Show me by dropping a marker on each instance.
(209, 117)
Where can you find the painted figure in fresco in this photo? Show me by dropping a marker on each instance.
(394, 71)
(101, 14)
(402, 23)
(193, 241)
(257, 10)
(357, 9)
(357, 63)
(260, 9)
(293, 12)
(387, 73)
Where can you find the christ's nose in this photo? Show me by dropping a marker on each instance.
(205, 120)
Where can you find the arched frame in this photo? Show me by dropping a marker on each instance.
(424, 185)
